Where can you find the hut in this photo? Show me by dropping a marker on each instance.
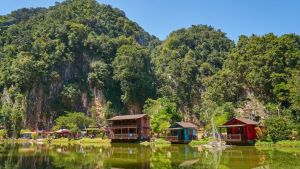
(62, 133)
(129, 128)
(239, 131)
(92, 132)
(182, 132)
(27, 134)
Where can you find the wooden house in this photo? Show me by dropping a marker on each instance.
(182, 132)
(129, 128)
(239, 131)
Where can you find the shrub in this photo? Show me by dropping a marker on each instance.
(34, 136)
(278, 128)
(3, 134)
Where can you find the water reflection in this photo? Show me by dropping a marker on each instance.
(128, 156)
(132, 156)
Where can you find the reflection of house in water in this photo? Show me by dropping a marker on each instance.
(128, 156)
(183, 155)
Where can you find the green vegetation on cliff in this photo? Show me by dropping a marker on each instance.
(61, 59)
(82, 56)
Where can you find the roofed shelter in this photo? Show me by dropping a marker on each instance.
(129, 128)
(62, 133)
(182, 132)
(239, 131)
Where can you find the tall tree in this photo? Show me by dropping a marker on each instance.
(132, 69)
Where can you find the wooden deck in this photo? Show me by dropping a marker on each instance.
(231, 137)
(175, 139)
(172, 138)
(124, 126)
(124, 136)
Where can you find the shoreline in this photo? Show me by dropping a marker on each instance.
(280, 144)
(62, 141)
(159, 142)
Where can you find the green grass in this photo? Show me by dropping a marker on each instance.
(288, 146)
(65, 141)
(288, 143)
(84, 142)
(198, 142)
(264, 144)
(157, 143)
(285, 143)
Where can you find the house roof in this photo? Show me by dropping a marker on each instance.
(234, 125)
(247, 121)
(243, 120)
(185, 125)
(128, 117)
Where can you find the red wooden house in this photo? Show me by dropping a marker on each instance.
(239, 131)
(129, 128)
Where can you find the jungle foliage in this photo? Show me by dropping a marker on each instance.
(58, 58)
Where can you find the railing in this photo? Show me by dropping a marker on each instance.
(124, 126)
(124, 136)
(172, 138)
(232, 137)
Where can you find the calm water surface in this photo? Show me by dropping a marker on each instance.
(133, 156)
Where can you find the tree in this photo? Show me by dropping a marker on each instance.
(294, 95)
(99, 74)
(70, 95)
(74, 121)
(278, 128)
(132, 70)
(162, 112)
(12, 116)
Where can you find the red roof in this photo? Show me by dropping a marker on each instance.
(128, 117)
(243, 120)
(247, 121)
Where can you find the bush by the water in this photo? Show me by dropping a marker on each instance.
(278, 128)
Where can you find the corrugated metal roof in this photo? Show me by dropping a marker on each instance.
(241, 120)
(175, 128)
(247, 121)
(128, 117)
(186, 124)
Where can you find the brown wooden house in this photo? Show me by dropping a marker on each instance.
(129, 128)
(239, 131)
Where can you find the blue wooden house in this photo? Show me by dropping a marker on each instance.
(182, 132)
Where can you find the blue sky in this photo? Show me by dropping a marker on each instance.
(235, 17)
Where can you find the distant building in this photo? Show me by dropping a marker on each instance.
(129, 128)
(239, 131)
(182, 132)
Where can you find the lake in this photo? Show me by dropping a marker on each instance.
(135, 156)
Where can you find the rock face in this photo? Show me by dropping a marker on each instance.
(252, 108)
(46, 57)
